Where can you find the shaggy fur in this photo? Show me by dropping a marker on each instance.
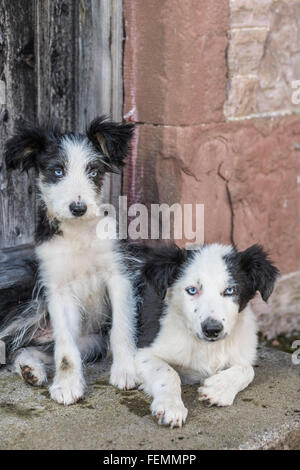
(200, 327)
(81, 279)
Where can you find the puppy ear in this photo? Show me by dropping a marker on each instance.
(260, 271)
(163, 266)
(22, 149)
(111, 139)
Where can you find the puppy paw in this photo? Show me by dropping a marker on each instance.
(217, 390)
(169, 412)
(67, 391)
(35, 375)
(123, 376)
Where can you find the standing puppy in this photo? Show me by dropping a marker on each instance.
(80, 277)
(204, 328)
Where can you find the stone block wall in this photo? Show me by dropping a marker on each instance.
(210, 86)
(263, 58)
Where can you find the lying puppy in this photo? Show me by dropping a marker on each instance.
(80, 277)
(204, 328)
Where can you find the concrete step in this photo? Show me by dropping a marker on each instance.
(264, 416)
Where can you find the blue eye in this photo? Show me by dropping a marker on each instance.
(229, 291)
(58, 172)
(93, 174)
(192, 290)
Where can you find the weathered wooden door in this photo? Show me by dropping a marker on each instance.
(61, 59)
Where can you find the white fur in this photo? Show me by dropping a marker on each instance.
(77, 269)
(180, 352)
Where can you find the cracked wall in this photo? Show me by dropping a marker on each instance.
(192, 142)
(263, 58)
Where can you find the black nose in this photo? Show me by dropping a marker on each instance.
(211, 328)
(78, 208)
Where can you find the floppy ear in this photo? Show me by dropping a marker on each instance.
(260, 271)
(111, 139)
(162, 267)
(22, 149)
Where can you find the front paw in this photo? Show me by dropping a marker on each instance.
(169, 412)
(68, 390)
(35, 375)
(124, 376)
(217, 390)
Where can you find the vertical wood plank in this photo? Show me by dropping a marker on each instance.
(116, 53)
(79, 69)
(93, 80)
(99, 82)
(17, 101)
(93, 84)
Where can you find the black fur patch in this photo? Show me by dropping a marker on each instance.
(51, 159)
(16, 304)
(46, 228)
(111, 140)
(22, 149)
(98, 166)
(150, 314)
(251, 271)
(24, 270)
(149, 305)
(164, 265)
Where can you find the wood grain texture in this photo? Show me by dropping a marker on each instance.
(17, 101)
(99, 81)
(93, 80)
(117, 40)
(55, 62)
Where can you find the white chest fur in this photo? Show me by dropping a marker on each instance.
(194, 358)
(79, 264)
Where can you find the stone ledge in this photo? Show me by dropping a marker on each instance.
(265, 415)
(282, 313)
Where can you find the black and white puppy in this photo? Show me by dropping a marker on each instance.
(80, 277)
(204, 329)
